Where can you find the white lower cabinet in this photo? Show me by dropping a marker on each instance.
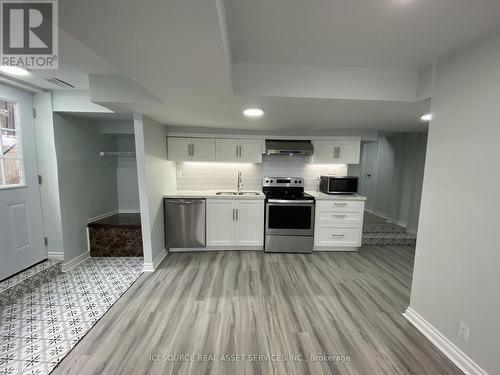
(338, 225)
(235, 223)
(220, 222)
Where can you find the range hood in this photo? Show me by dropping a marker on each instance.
(288, 147)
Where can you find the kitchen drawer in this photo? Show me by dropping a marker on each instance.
(337, 217)
(340, 205)
(337, 236)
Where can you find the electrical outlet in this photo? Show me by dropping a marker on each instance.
(463, 331)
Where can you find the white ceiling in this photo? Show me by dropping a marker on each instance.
(367, 33)
(175, 50)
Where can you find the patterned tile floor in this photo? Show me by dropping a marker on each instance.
(27, 274)
(379, 231)
(40, 327)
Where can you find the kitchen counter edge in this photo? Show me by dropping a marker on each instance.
(211, 194)
(334, 197)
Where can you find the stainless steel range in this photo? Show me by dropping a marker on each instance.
(289, 222)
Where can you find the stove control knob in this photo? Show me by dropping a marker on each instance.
(267, 180)
(296, 181)
(271, 181)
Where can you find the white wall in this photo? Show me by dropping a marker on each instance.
(339, 82)
(456, 275)
(156, 178)
(75, 101)
(47, 167)
(126, 176)
(396, 163)
(87, 182)
(213, 176)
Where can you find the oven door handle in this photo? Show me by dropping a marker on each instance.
(286, 201)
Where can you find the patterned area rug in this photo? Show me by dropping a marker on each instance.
(39, 327)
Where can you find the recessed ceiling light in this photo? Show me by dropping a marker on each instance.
(253, 112)
(14, 70)
(426, 117)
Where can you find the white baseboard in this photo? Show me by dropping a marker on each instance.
(102, 216)
(450, 350)
(402, 223)
(55, 255)
(150, 267)
(66, 266)
(129, 211)
(379, 214)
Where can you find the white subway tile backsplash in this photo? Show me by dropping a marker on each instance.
(214, 176)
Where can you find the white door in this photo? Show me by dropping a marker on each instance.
(369, 172)
(250, 151)
(179, 149)
(21, 229)
(221, 218)
(250, 223)
(203, 149)
(227, 150)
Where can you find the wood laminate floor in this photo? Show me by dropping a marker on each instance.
(256, 313)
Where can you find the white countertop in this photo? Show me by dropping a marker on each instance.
(211, 194)
(334, 197)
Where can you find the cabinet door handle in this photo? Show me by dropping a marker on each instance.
(338, 235)
(237, 214)
(239, 152)
(336, 152)
(340, 204)
(234, 215)
(339, 216)
(236, 151)
(192, 150)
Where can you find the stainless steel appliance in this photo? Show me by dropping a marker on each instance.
(338, 185)
(185, 223)
(288, 147)
(289, 220)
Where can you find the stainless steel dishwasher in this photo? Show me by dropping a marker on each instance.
(185, 223)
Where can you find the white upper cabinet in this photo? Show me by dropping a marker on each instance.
(186, 149)
(251, 150)
(179, 149)
(336, 152)
(238, 150)
(227, 149)
(203, 149)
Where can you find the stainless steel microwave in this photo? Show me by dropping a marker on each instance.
(338, 185)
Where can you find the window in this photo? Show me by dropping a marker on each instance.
(10, 142)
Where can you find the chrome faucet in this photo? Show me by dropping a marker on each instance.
(240, 182)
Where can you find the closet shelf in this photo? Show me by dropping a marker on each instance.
(113, 153)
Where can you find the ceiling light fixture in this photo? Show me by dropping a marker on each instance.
(14, 70)
(426, 117)
(253, 112)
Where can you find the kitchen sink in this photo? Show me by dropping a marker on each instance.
(237, 193)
